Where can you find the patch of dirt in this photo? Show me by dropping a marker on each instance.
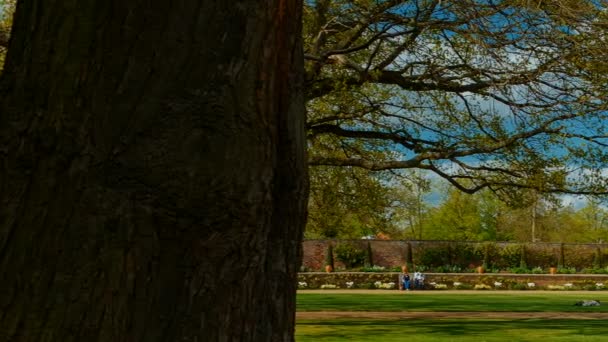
(318, 315)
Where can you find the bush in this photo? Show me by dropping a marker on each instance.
(597, 258)
(580, 258)
(540, 257)
(433, 256)
(509, 257)
(450, 255)
(519, 286)
(487, 253)
(350, 255)
(463, 255)
(523, 264)
(374, 269)
(537, 270)
(595, 270)
(589, 287)
(566, 270)
(462, 286)
(448, 269)
(482, 287)
(519, 270)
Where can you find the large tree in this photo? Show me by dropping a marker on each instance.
(495, 94)
(152, 171)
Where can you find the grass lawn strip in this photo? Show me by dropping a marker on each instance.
(454, 316)
(323, 315)
(455, 301)
(452, 330)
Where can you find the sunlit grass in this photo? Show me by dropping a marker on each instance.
(453, 301)
(478, 330)
(451, 329)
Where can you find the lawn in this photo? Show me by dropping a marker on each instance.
(456, 330)
(451, 329)
(515, 301)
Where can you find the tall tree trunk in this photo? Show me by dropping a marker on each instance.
(152, 171)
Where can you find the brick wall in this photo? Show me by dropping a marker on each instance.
(391, 253)
(387, 253)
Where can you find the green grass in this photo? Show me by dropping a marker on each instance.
(452, 301)
(451, 329)
(425, 330)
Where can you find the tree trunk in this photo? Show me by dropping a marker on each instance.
(152, 171)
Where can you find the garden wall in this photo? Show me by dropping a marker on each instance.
(391, 254)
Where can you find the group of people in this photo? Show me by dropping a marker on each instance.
(406, 281)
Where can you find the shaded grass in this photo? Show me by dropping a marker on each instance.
(452, 302)
(422, 330)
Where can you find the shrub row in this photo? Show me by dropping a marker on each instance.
(455, 257)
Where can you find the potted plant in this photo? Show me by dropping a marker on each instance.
(486, 259)
(329, 259)
(553, 267)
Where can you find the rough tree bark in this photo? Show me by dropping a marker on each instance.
(152, 171)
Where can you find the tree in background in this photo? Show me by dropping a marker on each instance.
(593, 220)
(457, 218)
(348, 203)
(153, 171)
(410, 205)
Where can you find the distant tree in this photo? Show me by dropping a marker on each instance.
(348, 203)
(593, 218)
(456, 218)
(410, 205)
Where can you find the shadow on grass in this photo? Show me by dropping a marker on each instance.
(448, 329)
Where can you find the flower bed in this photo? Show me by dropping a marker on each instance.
(454, 281)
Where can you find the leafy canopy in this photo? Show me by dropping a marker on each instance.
(485, 94)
